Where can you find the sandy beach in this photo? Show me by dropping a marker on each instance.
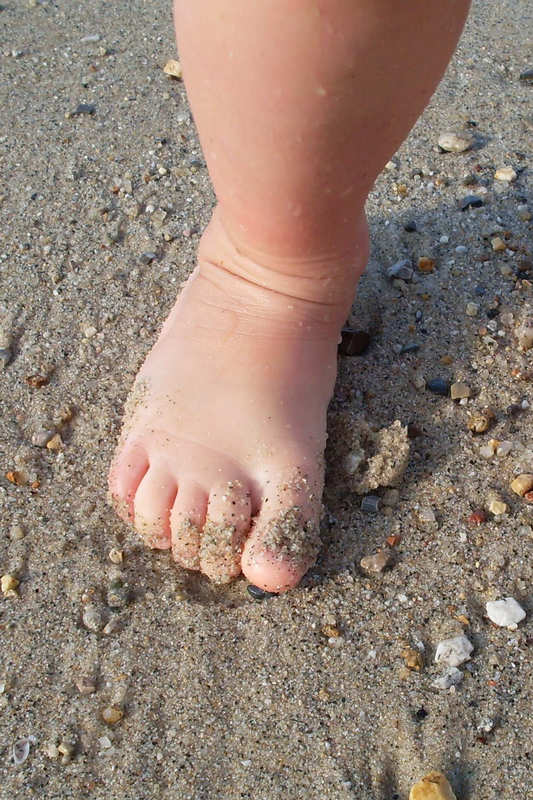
(124, 677)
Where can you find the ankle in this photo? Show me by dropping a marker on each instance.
(314, 289)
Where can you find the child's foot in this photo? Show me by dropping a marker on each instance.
(221, 454)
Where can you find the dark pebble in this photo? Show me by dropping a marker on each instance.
(493, 312)
(353, 343)
(83, 108)
(410, 227)
(147, 258)
(514, 409)
(471, 201)
(438, 386)
(527, 76)
(413, 431)
(412, 347)
(479, 291)
(257, 593)
(421, 713)
(5, 357)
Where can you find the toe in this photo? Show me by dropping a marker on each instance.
(284, 541)
(186, 522)
(152, 504)
(129, 467)
(226, 526)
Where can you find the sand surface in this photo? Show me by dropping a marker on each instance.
(222, 696)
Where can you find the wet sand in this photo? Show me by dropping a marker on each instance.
(209, 693)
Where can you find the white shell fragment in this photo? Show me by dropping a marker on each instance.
(173, 68)
(453, 652)
(452, 677)
(21, 750)
(506, 612)
(505, 174)
(455, 142)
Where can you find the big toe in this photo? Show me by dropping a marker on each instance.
(281, 547)
(152, 505)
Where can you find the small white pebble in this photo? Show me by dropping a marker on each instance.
(454, 652)
(505, 613)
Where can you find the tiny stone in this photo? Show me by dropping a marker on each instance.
(410, 227)
(401, 269)
(488, 450)
(524, 335)
(378, 562)
(527, 76)
(391, 498)
(505, 174)
(472, 309)
(477, 517)
(112, 626)
(66, 751)
(432, 787)
(452, 677)
(370, 504)
(55, 443)
(148, 257)
(353, 343)
(409, 348)
(497, 506)
(504, 448)
(41, 437)
(85, 685)
(8, 583)
(459, 390)
(522, 484)
(117, 594)
(353, 461)
(498, 245)
(479, 423)
(173, 68)
(454, 651)
(21, 751)
(83, 108)
(257, 593)
(6, 355)
(455, 142)
(505, 613)
(426, 264)
(92, 618)
(112, 714)
(471, 201)
(17, 533)
(438, 386)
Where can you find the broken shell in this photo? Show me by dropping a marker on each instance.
(413, 659)
(173, 68)
(112, 714)
(9, 583)
(455, 142)
(506, 612)
(459, 390)
(479, 423)
(378, 562)
(505, 174)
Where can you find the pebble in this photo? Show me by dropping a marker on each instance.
(477, 517)
(21, 750)
(505, 174)
(9, 584)
(55, 443)
(92, 618)
(433, 786)
(353, 343)
(117, 594)
(353, 460)
(438, 386)
(116, 556)
(504, 448)
(173, 68)
(471, 201)
(498, 245)
(454, 651)
(526, 76)
(83, 108)
(524, 336)
(412, 347)
(401, 269)
(497, 506)
(452, 677)
(112, 714)
(257, 593)
(459, 391)
(522, 484)
(17, 533)
(505, 613)
(377, 562)
(426, 515)
(472, 309)
(426, 264)
(85, 685)
(410, 227)
(6, 355)
(41, 437)
(455, 142)
(370, 504)
(391, 497)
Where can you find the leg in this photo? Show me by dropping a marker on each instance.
(298, 110)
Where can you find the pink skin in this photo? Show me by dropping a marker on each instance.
(297, 110)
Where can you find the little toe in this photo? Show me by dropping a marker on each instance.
(186, 522)
(152, 504)
(129, 467)
(225, 529)
(283, 544)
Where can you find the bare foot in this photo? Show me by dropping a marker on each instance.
(221, 454)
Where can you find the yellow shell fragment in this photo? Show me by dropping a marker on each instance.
(173, 68)
(433, 786)
(522, 484)
(9, 583)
